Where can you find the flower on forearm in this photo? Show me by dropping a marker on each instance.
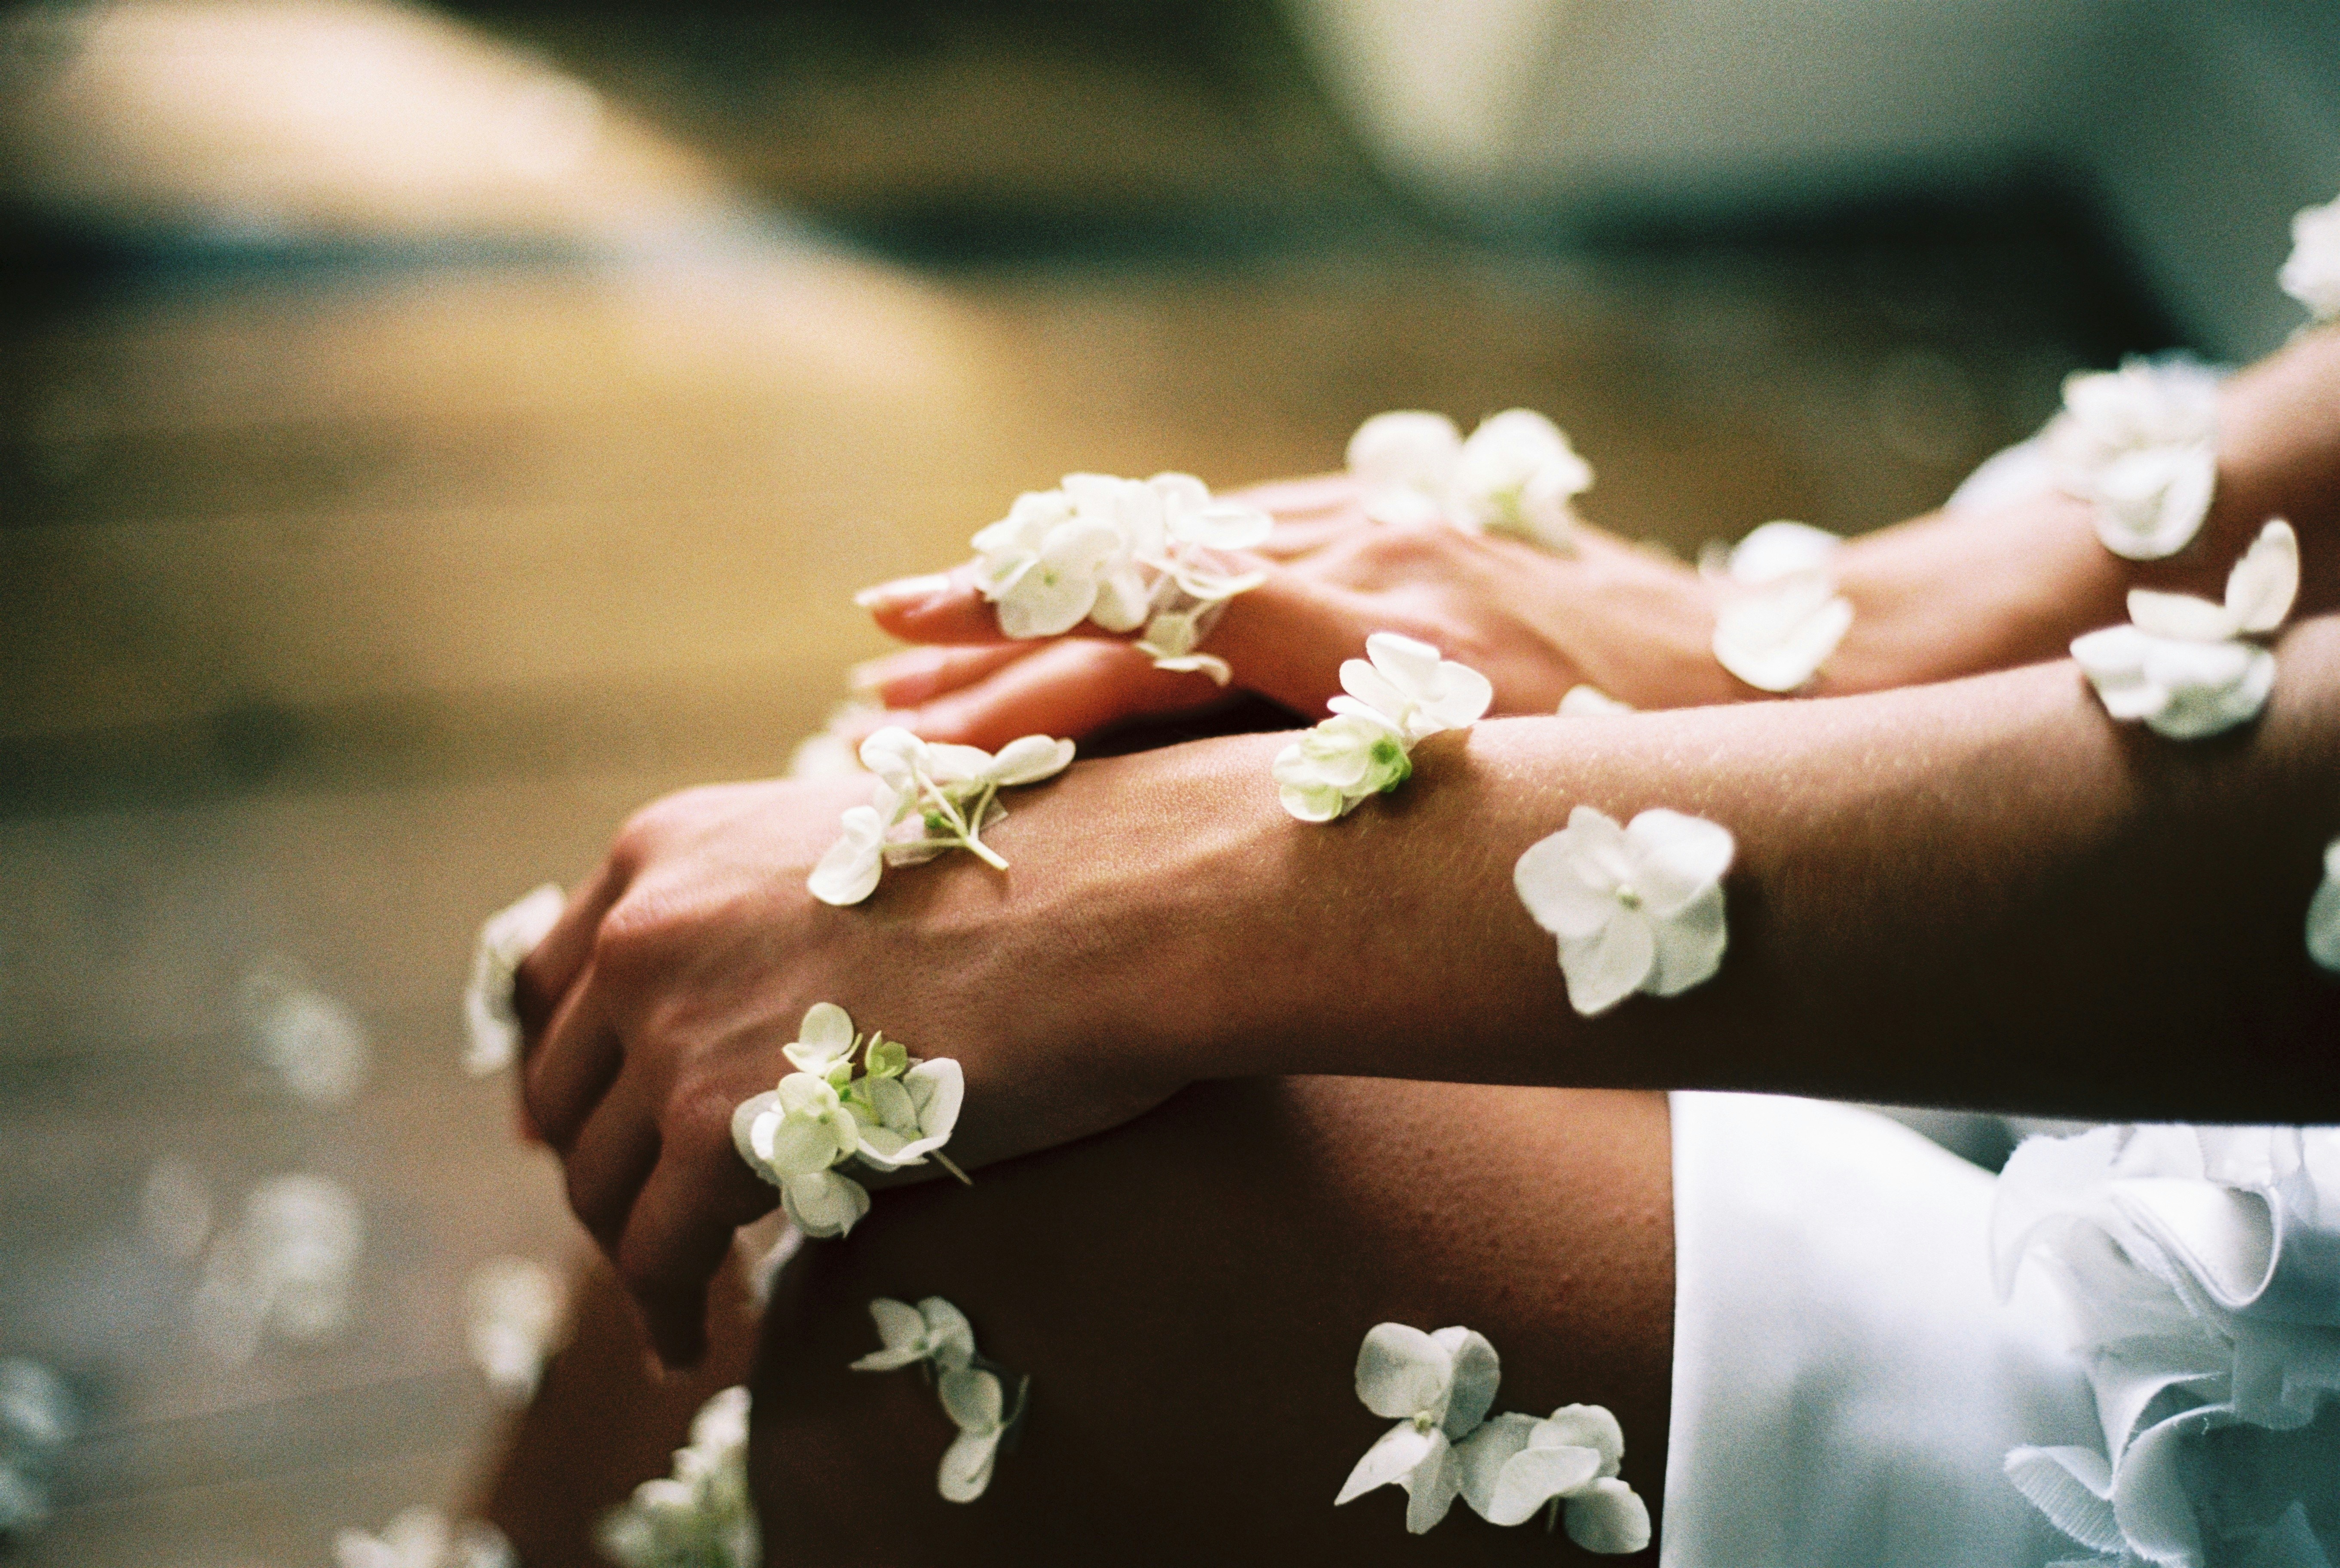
(1405, 683)
(934, 1331)
(1405, 693)
(927, 799)
(2180, 665)
(1347, 757)
(1780, 616)
(906, 1115)
(1516, 1465)
(1636, 909)
(505, 941)
(2323, 913)
(1516, 474)
(1438, 1387)
(2140, 444)
(2312, 275)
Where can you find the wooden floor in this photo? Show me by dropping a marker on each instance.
(339, 604)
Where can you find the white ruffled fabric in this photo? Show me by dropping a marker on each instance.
(2200, 1267)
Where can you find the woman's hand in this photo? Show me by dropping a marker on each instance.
(1628, 620)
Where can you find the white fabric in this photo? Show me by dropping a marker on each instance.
(1846, 1382)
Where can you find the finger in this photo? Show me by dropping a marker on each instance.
(1314, 495)
(610, 1159)
(1070, 689)
(682, 1226)
(572, 1066)
(917, 675)
(1288, 637)
(947, 609)
(544, 976)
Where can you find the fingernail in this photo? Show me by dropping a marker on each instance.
(902, 592)
(865, 682)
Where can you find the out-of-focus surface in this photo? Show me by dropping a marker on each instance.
(414, 454)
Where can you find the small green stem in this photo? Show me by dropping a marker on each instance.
(945, 1161)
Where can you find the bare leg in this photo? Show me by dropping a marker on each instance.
(1187, 1295)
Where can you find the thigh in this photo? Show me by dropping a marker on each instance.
(1188, 1295)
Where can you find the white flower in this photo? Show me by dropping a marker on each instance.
(946, 794)
(2141, 444)
(1515, 1465)
(1518, 475)
(934, 1330)
(904, 1119)
(1636, 909)
(1585, 702)
(314, 1044)
(518, 1308)
(1780, 616)
(2323, 913)
(1405, 693)
(824, 1039)
(1438, 1387)
(1049, 562)
(848, 872)
(974, 1401)
(420, 1538)
(288, 1266)
(1404, 463)
(806, 1128)
(699, 1516)
(507, 938)
(1348, 757)
(2312, 275)
(1169, 641)
(1411, 688)
(2180, 665)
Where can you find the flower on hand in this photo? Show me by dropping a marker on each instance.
(1636, 909)
(933, 1331)
(2140, 444)
(1780, 616)
(509, 935)
(2180, 665)
(1403, 693)
(2312, 274)
(1438, 1387)
(1169, 641)
(1516, 1465)
(928, 799)
(1517, 474)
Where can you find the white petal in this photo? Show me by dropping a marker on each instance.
(1315, 802)
(1563, 879)
(898, 1323)
(2197, 710)
(743, 1121)
(1029, 760)
(1123, 599)
(1610, 1518)
(1432, 1487)
(1180, 493)
(1403, 1372)
(950, 1333)
(506, 939)
(1676, 857)
(1393, 1456)
(1587, 701)
(795, 1147)
(2150, 503)
(1584, 1426)
(2073, 1487)
(827, 1025)
(1536, 1476)
(895, 755)
(1478, 1371)
(1411, 664)
(1376, 690)
(2264, 581)
(1461, 698)
(936, 1089)
(1776, 638)
(1777, 549)
(1401, 507)
(2180, 615)
(964, 1474)
(848, 872)
(1479, 1458)
(825, 1204)
(1406, 450)
(972, 1399)
(2323, 922)
(1604, 968)
(1223, 525)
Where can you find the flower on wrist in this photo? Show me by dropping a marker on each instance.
(972, 1388)
(2323, 913)
(2140, 444)
(1516, 474)
(1636, 909)
(2312, 274)
(928, 799)
(2181, 665)
(492, 1024)
(1589, 702)
(1401, 693)
(1779, 617)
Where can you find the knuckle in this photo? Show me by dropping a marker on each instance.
(697, 1119)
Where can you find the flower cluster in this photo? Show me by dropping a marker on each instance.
(1400, 694)
(36, 1421)
(973, 1390)
(1121, 553)
(2312, 275)
(517, 1311)
(421, 1538)
(928, 799)
(1779, 615)
(1636, 909)
(700, 1515)
(2323, 913)
(1438, 1388)
(2180, 665)
(2140, 444)
(1517, 473)
(894, 1112)
(1589, 702)
(507, 939)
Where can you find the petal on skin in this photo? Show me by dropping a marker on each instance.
(1392, 1457)
(1479, 1458)
(1403, 1372)
(1564, 878)
(829, 1026)
(1677, 857)
(937, 1088)
(1315, 802)
(1462, 698)
(1471, 1388)
(2266, 580)
(1584, 1426)
(1779, 550)
(950, 1333)
(891, 1101)
(2197, 710)
(795, 1147)
(824, 1204)
(2324, 918)
(1610, 1518)
(1029, 760)
(848, 872)
(1180, 493)
(1406, 449)
(1604, 968)
(1401, 506)
(744, 1117)
(2180, 615)
(1690, 945)
(965, 1472)
(1377, 692)
(1534, 1476)
(1432, 1487)
(1776, 638)
(1122, 600)
(972, 1399)
(1409, 663)
(2114, 660)
(506, 939)
(895, 755)
(2151, 499)
(1223, 525)
(1589, 702)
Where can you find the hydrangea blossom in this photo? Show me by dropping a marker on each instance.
(699, 1516)
(2323, 913)
(2181, 665)
(1516, 474)
(1636, 909)
(1116, 552)
(517, 1311)
(2312, 275)
(1780, 616)
(1402, 692)
(2140, 444)
(1515, 1466)
(37, 1419)
(972, 1388)
(977, 1405)
(933, 1331)
(289, 1267)
(421, 1538)
(1438, 1387)
(895, 1111)
(1169, 641)
(490, 1023)
(927, 799)
(1587, 701)
(315, 1045)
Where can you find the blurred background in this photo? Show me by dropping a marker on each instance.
(427, 433)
